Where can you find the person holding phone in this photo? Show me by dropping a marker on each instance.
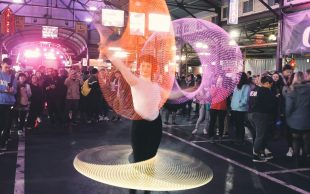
(7, 100)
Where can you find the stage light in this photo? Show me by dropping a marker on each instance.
(115, 49)
(32, 54)
(232, 43)
(121, 54)
(272, 37)
(198, 45)
(45, 49)
(92, 8)
(17, 1)
(57, 53)
(50, 56)
(61, 56)
(88, 19)
(234, 34)
(204, 54)
(16, 68)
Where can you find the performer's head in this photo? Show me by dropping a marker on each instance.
(148, 66)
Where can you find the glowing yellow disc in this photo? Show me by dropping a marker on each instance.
(167, 171)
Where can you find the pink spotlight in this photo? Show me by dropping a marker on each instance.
(50, 56)
(61, 56)
(32, 53)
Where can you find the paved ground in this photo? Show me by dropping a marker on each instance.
(49, 153)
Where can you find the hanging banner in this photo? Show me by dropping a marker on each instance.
(19, 22)
(137, 23)
(296, 33)
(81, 29)
(7, 21)
(293, 2)
(233, 12)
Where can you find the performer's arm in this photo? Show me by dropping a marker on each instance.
(130, 78)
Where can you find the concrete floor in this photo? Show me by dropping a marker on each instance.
(49, 154)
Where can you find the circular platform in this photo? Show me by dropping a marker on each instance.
(167, 171)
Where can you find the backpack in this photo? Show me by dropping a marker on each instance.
(85, 89)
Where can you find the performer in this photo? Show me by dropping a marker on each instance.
(146, 94)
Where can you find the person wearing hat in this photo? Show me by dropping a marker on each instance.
(7, 100)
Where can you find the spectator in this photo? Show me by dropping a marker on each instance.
(95, 99)
(7, 100)
(22, 101)
(73, 84)
(297, 114)
(37, 102)
(239, 107)
(262, 107)
(249, 74)
(287, 77)
(53, 96)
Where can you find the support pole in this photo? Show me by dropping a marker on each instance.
(279, 39)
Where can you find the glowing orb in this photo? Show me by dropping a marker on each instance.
(167, 171)
(220, 61)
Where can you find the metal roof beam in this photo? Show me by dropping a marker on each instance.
(214, 3)
(200, 8)
(269, 8)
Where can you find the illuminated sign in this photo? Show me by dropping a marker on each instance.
(7, 21)
(111, 17)
(49, 32)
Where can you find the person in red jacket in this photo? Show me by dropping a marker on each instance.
(218, 109)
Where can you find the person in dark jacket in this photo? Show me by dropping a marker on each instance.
(262, 107)
(94, 98)
(37, 101)
(297, 114)
(54, 96)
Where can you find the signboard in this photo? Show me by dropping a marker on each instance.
(137, 23)
(49, 32)
(296, 33)
(81, 29)
(233, 12)
(19, 22)
(111, 17)
(7, 21)
(293, 2)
